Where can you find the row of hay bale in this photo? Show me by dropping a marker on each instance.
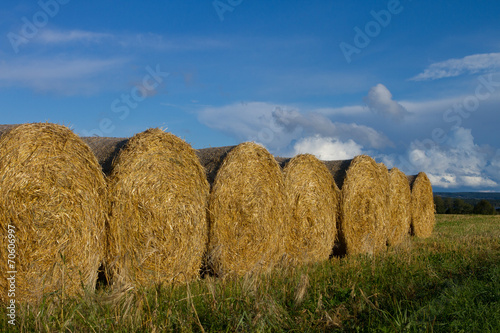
(152, 209)
(260, 216)
(142, 220)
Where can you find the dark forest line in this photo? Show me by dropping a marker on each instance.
(467, 203)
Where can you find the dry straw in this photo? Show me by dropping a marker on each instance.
(52, 195)
(211, 159)
(158, 229)
(105, 149)
(398, 226)
(384, 173)
(363, 204)
(247, 212)
(422, 206)
(312, 199)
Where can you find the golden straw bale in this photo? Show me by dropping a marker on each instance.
(384, 173)
(247, 212)
(422, 206)
(363, 204)
(398, 226)
(312, 199)
(53, 199)
(158, 228)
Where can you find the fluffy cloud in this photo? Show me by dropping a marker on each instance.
(277, 128)
(314, 123)
(327, 148)
(380, 101)
(459, 162)
(476, 63)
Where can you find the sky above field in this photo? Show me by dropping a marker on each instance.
(414, 84)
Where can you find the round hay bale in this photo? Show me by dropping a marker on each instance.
(53, 204)
(422, 206)
(363, 205)
(398, 224)
(247, 212)
(312, 199)
(158, 228)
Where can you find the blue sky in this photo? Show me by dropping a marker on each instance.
(414, 84)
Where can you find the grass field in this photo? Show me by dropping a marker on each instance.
(449, 282)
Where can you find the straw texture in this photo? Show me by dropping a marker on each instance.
(211, 159)
(363, 204)
(398, 226)
(53, 194)
(384, 174)
(312, 199)
(158, 228)
(247, 212)
(105, 150)
(422, 206)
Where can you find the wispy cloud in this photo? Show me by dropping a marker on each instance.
(48, 36)
(477, 63)
(65, 76)
(149, 41)
(170, 43)
(350, 110)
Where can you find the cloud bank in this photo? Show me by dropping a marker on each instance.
(457, 162)
(285, 131)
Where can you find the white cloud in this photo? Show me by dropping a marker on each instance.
(277, 127)
(327, 148)
(49, 36)
(248, 122)
(314, 123)
(459, 162)
(147, 41)
(380, 101)
(67, 76)
(351, 110)
(477, 63)
(55, 69)
(431, 106)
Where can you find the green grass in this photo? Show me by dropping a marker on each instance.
(449, 282)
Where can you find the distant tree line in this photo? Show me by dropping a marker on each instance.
(459, 206)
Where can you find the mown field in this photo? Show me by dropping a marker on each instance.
(449, 282)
